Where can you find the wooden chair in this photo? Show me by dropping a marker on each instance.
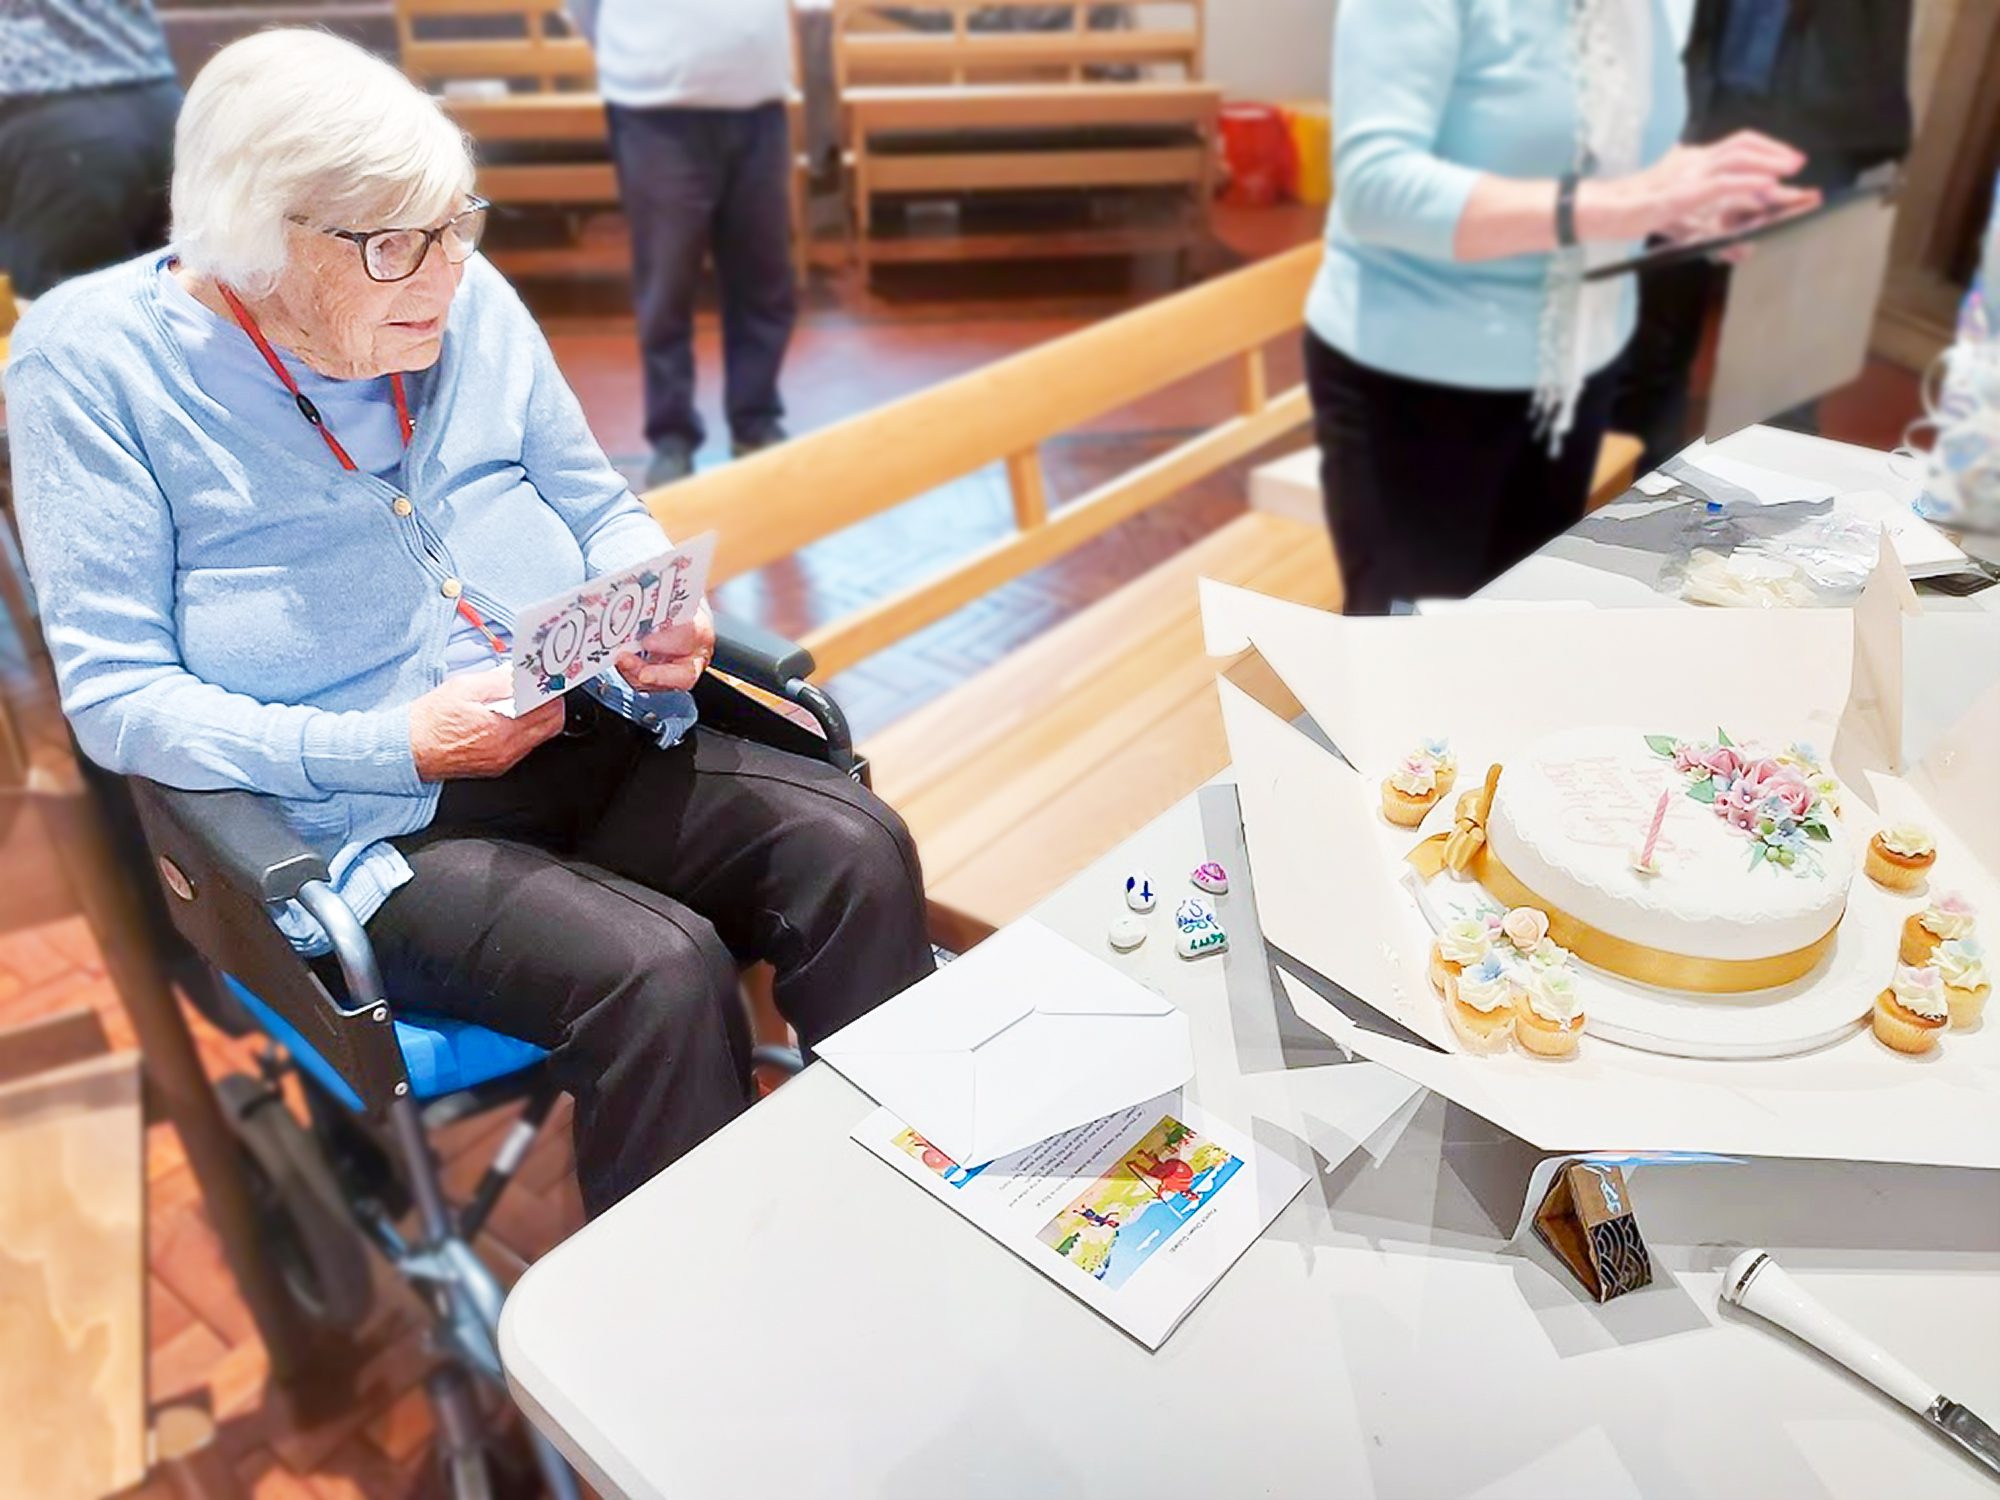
(968, 114)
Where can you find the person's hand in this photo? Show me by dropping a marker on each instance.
(673, 657)
(456, 737)
(1696, 189)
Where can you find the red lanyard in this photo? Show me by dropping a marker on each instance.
(311, 413)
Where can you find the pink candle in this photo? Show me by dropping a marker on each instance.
(1653, 833)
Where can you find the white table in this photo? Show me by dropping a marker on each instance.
(781, 1314)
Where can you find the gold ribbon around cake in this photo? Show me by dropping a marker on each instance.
(1464, 851)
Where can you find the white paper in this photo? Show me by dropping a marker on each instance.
(1654, 483)
(1923, 550)
(1767, 486)
(1137, 1214)
(1377, 686)
(1021, 1038)
(565, 640)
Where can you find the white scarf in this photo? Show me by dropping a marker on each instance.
(1611, 67)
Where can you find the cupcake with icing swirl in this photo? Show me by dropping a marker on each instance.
(1911, 1012)
(1948, 919)
(1900, 856)
(1961, 965)
(1464, 941)
(1418, 783)
(1548, 1020)
(1482, 1006)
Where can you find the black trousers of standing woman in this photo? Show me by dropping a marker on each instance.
(599, 899)
(1434, 490)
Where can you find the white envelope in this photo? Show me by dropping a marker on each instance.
(1024, 1037)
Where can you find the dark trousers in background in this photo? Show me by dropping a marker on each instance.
(1434, 490)
(715, 181)
(83, 179)
(599, 899)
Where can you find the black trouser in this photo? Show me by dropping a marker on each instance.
(83, 179)
(1434, 490)
(714, 180)
(599, 899)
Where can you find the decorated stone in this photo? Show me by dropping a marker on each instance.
(1211, 877)
(1194, 912)
(1195, 942)
(1139, 892)
(1127, 932)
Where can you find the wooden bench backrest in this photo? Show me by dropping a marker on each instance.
(769, 506)
(527, 41)
(871, 47)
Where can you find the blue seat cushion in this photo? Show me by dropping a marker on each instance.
(444, 1056)
(440, 1056)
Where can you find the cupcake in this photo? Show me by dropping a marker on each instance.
(1912, 1011)
(1481, 1007)
(1900, 856)
(1411, 790)
(1946, 920)
(1961, 964)
(1462, 942)
(1547, 1019)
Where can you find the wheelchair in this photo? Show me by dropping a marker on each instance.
(358, 1177)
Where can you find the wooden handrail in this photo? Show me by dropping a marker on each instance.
(769, 506)
(772, 504)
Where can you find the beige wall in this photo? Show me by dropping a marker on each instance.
(1262, 49)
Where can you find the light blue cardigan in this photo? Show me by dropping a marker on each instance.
(1428, 94)
(228, 610)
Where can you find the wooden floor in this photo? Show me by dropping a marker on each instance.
(853, 350)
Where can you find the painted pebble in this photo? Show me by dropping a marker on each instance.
(1139, 892)
(1127, 932)
(1194, 942)
(1211, 877)
(1194, 912)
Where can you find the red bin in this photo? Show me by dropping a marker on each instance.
(1257, 148)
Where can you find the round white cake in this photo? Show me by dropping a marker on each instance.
(1750, 861)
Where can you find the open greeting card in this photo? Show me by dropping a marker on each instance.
(564, 641)
(1681, 808)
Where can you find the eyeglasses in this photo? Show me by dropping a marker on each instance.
(398, 254)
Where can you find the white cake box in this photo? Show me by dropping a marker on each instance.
(1335, 893)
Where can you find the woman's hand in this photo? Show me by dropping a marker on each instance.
(455, 736)
(673, 657)
(1695, 189)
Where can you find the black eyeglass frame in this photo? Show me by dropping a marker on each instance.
(360, 238)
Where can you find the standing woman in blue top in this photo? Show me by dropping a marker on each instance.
(1486, 153)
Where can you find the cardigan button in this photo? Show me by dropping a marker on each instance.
(401, 505)
(451, 588)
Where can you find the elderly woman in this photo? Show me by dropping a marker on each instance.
(281, 485)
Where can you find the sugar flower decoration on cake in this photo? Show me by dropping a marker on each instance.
(1781, 803)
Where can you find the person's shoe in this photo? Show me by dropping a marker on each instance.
(672, 461)
(758, 441)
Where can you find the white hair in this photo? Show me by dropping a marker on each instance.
(292, 123)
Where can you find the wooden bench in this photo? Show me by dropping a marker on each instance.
(523, 84)
(1017, 778)
(966, 114)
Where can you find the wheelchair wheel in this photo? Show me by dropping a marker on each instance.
(318, 1250)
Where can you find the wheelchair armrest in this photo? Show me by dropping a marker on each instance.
(761, 657)
(238, 836)
(224, 858)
